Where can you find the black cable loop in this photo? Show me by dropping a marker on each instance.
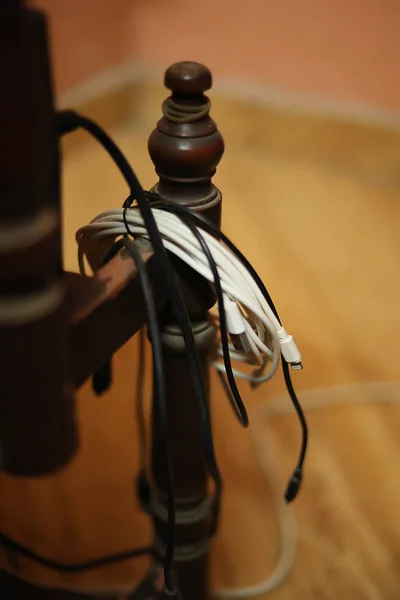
(68, 121)
(159, 394)
(241, 412)
(202, 222)
(14, 546)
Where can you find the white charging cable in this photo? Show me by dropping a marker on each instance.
(256, 334)
(257, 337)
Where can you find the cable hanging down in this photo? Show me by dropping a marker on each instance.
(246, 311)
(246, 316)
(252, 335)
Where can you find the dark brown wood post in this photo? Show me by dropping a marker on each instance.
(186, 148)
(37, 426)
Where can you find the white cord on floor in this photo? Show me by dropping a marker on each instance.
(343, 395)
(286, 522)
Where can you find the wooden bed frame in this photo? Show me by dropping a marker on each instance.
(50, 319)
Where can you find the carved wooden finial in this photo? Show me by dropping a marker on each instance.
(186, 146)
(188, 78)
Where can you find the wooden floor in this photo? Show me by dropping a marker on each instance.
(316, 207)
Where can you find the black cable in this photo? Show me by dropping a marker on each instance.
(139, 409)
(159, 394)
(235, 394)
(228, 393)
(294, 483)
(102, 378)
(14, 546)
(158, 202)
(143, 483)
(241, 409)
(69, 121)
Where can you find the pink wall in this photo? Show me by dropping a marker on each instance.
(343, 49)
(87, 37)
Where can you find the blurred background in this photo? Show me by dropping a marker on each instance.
(347, 51)
(307, 96)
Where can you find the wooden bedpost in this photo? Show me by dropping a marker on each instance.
(186, 148)
(38, 434)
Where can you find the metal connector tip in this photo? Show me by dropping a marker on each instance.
(297, 366)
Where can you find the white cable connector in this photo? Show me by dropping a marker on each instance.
(235, 322)
(236, 325)
(289, 350)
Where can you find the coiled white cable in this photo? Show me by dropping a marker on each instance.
(250, 321)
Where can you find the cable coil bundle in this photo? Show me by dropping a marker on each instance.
(249, 319)
(247, 316)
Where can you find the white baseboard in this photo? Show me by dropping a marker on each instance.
(109, 81)
(118, 78)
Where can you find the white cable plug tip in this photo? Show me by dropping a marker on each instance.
(297, 366)
(236, 325)
(289, 350)
(234, 319)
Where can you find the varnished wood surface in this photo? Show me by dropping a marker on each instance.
(323, 230)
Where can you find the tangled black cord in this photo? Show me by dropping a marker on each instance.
(78, 567)
(192, 219)
(160, 396)
(68, 121)
(202, 222)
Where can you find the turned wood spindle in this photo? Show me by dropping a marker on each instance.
(186, 148)
(38, 433)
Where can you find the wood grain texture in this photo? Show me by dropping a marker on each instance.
(322, 229)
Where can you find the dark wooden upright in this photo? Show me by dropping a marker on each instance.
(38, 433)
(186, 148)
(49, 320)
